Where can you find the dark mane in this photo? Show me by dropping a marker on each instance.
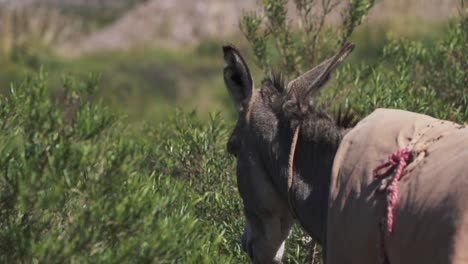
(275, 80)
(345, 118)
(278, 81)
(342, 116)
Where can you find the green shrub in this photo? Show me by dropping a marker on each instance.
(428, 78)
(304, 43)
(424, 78)
(77, 185)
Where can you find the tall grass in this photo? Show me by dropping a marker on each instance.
(75, 186)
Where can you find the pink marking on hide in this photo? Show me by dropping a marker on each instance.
(398, 159)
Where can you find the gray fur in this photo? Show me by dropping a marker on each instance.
(261, 142)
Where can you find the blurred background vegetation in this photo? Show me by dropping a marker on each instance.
(114, 115)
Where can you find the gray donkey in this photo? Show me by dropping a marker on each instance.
(295, 162)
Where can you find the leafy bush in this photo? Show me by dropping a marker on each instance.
(424, 78)
(77, 185)
(410, 75)
(306, 42)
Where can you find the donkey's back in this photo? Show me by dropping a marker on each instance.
(430, 217)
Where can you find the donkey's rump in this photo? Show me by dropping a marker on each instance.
(431, 214)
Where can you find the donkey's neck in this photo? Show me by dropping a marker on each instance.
(313, 160)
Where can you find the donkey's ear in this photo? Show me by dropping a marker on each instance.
(302, 89)
(237, 77)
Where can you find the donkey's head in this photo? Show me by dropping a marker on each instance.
(261, 138)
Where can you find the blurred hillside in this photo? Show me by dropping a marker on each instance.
(182, 22)
(125, 24)
(157, 54)
(77, 3)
